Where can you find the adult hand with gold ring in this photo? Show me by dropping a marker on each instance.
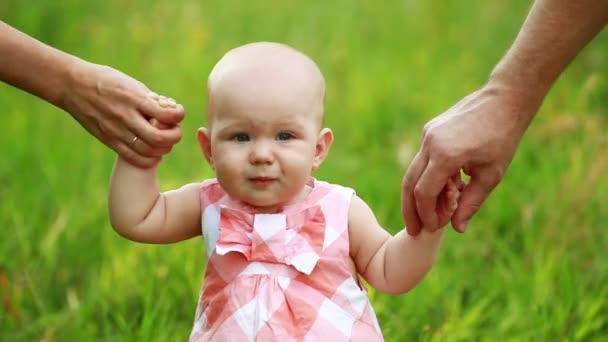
(109, 104)
(145, 147)
(120, 111)
(133, 141)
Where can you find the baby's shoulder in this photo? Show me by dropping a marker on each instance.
(332, 197)
(334, 188)
(210, 191)
(209, 183)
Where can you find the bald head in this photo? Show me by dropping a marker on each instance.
(266, 74)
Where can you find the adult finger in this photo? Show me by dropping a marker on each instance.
(471, 198)
(154, 136)
(432, 180)
(144, 149)
(408, 201)
(133, 157)
(118, 141)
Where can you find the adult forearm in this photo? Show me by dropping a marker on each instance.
(551, 36)
(408, 260)
(32, 66)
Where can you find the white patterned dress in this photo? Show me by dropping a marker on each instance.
(281, 277)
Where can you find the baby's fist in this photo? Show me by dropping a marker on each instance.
(447, 202)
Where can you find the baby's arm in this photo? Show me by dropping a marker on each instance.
(140, 212)
(393, 264)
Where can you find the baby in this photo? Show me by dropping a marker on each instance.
(285, 251)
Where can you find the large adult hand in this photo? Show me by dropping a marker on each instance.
(118, 110)
(478, 135)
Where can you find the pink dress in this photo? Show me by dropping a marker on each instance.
(281, 277)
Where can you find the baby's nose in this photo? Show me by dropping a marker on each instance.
(261, 152)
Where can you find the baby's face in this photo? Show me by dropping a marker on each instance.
(263, 147)
(265, 131)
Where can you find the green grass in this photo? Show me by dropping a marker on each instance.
(532, 266)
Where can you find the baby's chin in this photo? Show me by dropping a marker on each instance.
(263, 205)
(265, 208)
(276, 203)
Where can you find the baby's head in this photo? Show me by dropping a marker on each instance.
(265, 118)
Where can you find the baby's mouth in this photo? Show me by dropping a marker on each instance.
(262, 181)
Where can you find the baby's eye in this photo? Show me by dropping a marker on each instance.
(240, 137)
(284, 136)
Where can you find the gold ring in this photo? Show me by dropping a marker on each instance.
(133, 141)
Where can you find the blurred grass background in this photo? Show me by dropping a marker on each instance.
(532, 266)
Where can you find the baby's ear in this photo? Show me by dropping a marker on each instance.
(326, 138)
(204, 140)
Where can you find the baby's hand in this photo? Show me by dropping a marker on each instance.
(163, 102)
(447, 202)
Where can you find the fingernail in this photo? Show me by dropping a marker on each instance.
(153, 95)
(464, 225)
(163, 103)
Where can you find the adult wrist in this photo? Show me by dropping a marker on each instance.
(528, 87)
(522, 92)
(74, 76)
